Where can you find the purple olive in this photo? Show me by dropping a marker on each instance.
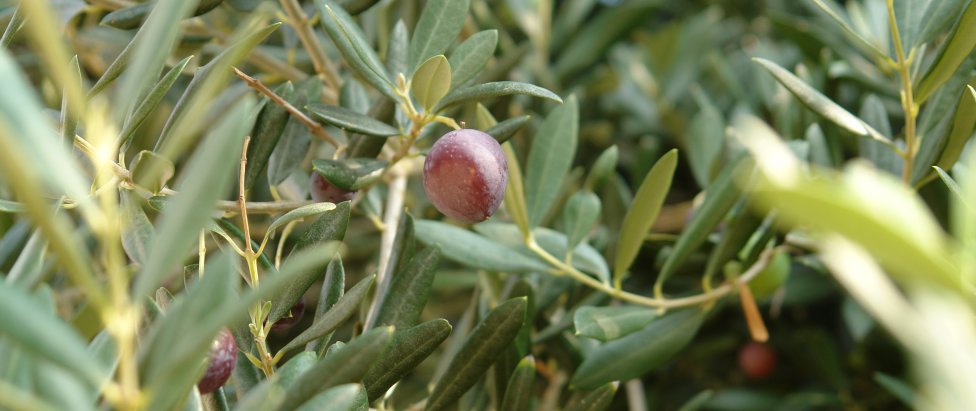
(323, 191)
(465, 174)
(223, 356)
(294, 316)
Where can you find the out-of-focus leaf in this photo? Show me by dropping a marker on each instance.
(345, 365)
(409, 290)
(486, 341)
(839, 17)
(959, 46)
(639, 352)
(897, 387)
(518, 393)
(137, 232)
(152, 171)
(206, 178)
(642, 213)
(506, 129)
(438, 27)
(514, 198)
(150, 102)
(553, 150)
(706, 139)
(431, 82)
(610, 323)
(346, 397)
(603, 167)
(595, 38)
(351, 42)
(45, 335)
(347, 119)
(396, 52)
(579, 214)
(408, 349)
(598, 399)
(28, 268)
(342, 310)
(819, 103)
(495, 89)
(474, 250)
(470, 57)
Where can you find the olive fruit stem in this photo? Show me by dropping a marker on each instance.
(561, 268)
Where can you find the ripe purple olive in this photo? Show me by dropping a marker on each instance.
(323, 191)
(757, 360)
(223, 356)
(465, 174)
(295, 314)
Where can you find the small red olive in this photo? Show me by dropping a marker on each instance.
(324, 191)
(223, 356)
(465, 174)
(757, 360)
(294, 316)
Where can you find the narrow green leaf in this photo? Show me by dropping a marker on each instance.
(351, 42)
(506, 129)
(45, 335)
(595, 38)
(149, 103)
(438, 27)
(950, 183)
(553, 150)
(819, 103)
(603, 168)
(350, 120)
(473, 250)
(490, 90)
(859, 40)
(397, 50)
(961, 132)
(489, 339)
(900, 389)
(873, 113)
(299, 214)
(346, 397)
(327, 228)
(514, 198)
(14, 26)
(642, 213)
(720, 196)
(339, 313)
(28, 269)
(471, 56)
(345, 365)
(295, 138)
(333, 286)
(409, 348)
(152, 171)
(288, 374)
(585, 257)
(742, 225)
(431, 82)
(206, 177)
(268, 127)
(128, 17)
(959, 46)
(598, 399)
(350, 174)
(640, 352)
(579, 214)
(7, 206)
(137, 232)
(610, 323)
(706, 139)
(409, 290)
(190, 112)
(518, 394)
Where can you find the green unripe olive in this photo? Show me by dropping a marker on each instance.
(772, 277)
(465, 174)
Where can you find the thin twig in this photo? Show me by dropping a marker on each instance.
(394, 210)
(321, 62)
(312, 125)
(241, 198)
